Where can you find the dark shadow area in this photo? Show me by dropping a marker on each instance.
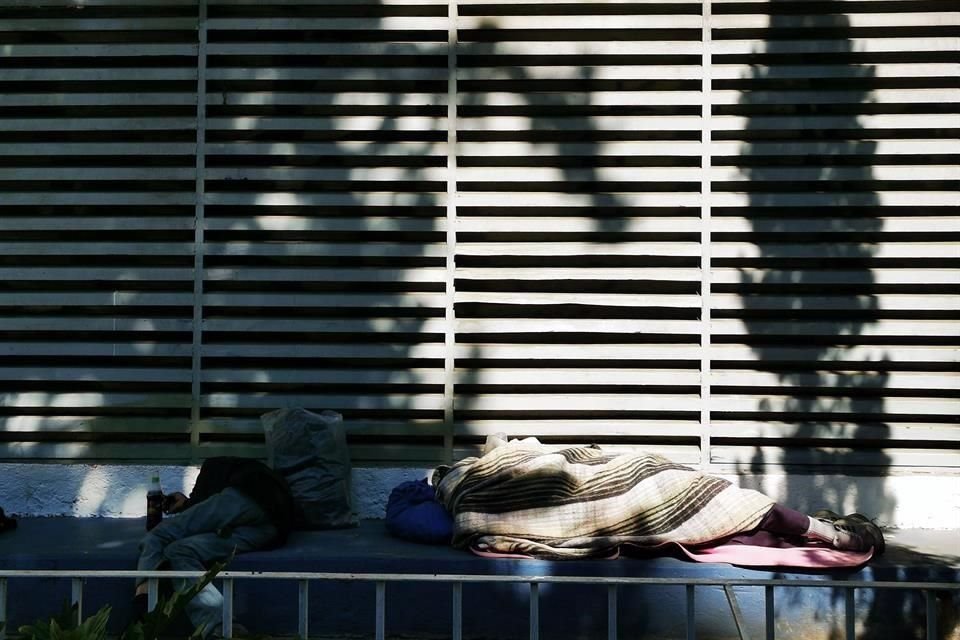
(808, 293)
(96, 181)
(325, 223)
(815, 240)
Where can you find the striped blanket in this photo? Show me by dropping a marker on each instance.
(525, 499)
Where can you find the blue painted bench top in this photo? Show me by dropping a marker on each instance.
(105, 543)
(111, 543)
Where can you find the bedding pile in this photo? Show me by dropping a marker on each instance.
(525, 499)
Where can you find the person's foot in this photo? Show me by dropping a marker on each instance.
(853, 532)
(863, 531)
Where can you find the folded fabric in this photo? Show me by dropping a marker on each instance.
(742, 555)
(413, 513)
(812, 556)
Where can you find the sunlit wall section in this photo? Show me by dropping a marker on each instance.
(97, 119)
(325, 204)
(835, 228)
(578, 232)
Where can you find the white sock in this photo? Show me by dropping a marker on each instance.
(826, 532)
(820, 530)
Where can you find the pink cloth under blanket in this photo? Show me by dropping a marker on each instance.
(810, 556)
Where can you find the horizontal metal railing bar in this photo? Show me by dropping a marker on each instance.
(434, 577)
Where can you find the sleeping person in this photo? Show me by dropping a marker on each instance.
(524, 499)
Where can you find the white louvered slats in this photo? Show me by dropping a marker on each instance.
(578, 226)
(727, 231)
(97, 130)
(324, 265)
(834, 233)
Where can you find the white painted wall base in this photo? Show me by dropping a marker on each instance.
(118, 491)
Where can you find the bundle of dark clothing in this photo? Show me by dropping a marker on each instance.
(253, 479)
(6, 523)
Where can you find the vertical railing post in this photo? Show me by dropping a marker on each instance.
(735, 610)
(612, 612)
(849, 614)
(304, 608)
(76, 596)
(771, 623)
(3, 608)
(534, 611)
(227, 608)
(933, 631)
(457, 632)
(381, 619)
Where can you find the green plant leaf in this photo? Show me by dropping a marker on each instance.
(167, 609)
(94, 627)
(65, 627)
(48, 629)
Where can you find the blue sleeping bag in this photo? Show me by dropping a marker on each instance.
(413, 513)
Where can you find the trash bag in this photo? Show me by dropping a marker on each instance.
(310, 451)
(415, 514)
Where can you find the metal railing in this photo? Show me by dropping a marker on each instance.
(380, 580)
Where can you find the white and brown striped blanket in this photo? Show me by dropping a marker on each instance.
(523, 498)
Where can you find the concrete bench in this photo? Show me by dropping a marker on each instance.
(494, 610)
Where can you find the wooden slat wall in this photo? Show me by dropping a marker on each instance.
(724, 231)
(836, 281)
(97, 148)
(578, 223)
(324, 270)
